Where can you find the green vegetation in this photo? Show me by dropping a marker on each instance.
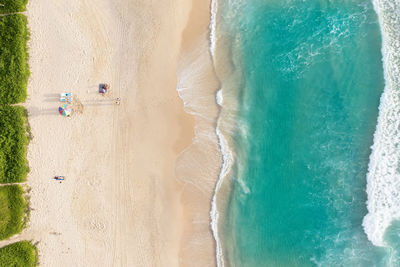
(11, 6)
(13, 144)
(14, 133)
(14, 69)
(20, 254)
(12, 210)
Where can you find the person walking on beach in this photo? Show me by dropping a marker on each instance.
(59, 178)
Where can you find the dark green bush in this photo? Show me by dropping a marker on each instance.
(14, 69)
(12, 210)
(20, 254)
(11, 6)
(13, 144)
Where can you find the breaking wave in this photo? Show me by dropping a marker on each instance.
(383, 178)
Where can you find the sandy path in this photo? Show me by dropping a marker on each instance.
(120, 204)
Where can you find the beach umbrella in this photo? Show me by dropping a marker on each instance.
(65, 110)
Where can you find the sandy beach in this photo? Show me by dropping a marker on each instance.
(122, 203)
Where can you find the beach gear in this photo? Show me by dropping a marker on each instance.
(65, 95)
(59, 178)
(65, 110)
(63, 99)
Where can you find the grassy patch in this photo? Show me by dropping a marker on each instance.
(14, 69)
(13, 144)
(20, 254)
(12, 210)
(10, 6)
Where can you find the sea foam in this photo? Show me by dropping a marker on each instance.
(213, 25)
(383, 178)
(226, 166)
(226, 153)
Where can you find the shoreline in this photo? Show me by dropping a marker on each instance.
(198, 166)
(225, 64)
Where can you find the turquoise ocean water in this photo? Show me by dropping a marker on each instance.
(311, 77)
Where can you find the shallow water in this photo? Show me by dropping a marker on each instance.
(311, 77)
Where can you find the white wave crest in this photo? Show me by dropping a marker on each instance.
(213, 25)
(227, 156)
(226, 166)
(383, 178)
(220, 98)
(226, 153)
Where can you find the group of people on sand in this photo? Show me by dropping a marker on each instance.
(104, 89)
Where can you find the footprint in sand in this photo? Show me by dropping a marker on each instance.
(97, 226)
(94, 182)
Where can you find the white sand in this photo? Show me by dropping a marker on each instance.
(118, 160)
(120, 204)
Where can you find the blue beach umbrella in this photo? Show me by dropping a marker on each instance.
(65, 110)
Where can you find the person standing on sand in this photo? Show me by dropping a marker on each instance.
(104, 88)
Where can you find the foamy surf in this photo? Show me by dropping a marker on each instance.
(226, 153)
(383, 178)
(213, 25)
(226, 166)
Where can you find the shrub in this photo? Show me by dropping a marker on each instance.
(20, 254)
(14, 69)
(13, 144)
(12, 210)
(11, 6)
